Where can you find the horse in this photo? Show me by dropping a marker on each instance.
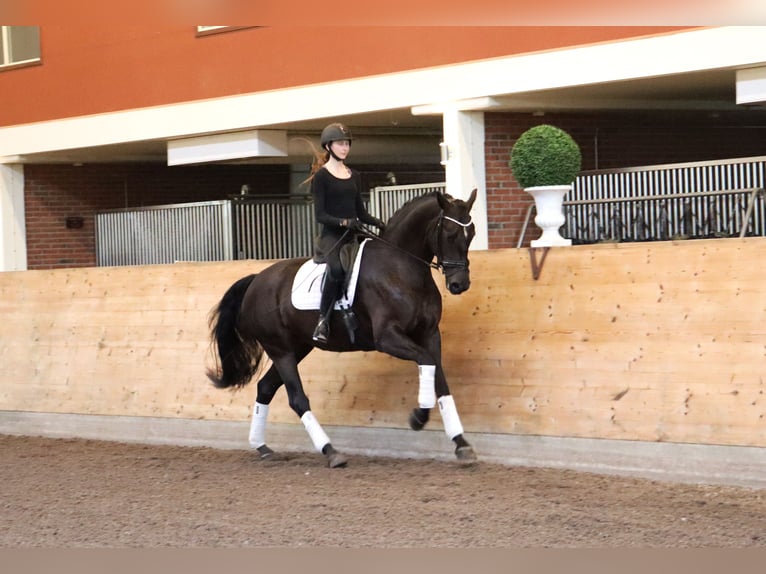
(397, 305)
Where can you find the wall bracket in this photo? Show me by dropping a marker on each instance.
(537, 267)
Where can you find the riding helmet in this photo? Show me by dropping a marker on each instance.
(335, 132)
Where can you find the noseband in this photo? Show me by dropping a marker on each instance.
(446, 264)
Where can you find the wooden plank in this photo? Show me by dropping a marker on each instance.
(661, 341)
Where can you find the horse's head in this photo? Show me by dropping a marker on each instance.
(436, 225)
(454, 232)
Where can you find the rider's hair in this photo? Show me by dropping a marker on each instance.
(318, 162)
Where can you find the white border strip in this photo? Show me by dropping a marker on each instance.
(671, 462)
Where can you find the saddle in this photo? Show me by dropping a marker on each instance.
(307, 284)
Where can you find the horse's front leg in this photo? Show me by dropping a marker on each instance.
(391, 339)
(453, 428)
(426, 397)
(299, 402)
(432, 382)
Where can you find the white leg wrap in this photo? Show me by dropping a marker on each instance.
(450, 417)
(318, 436)
(258, 425)
(427, 391)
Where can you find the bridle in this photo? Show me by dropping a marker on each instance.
(441, 264)
(445, 264)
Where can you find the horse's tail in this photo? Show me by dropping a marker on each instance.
(237, 360)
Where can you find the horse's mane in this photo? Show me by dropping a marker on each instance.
(406, 207)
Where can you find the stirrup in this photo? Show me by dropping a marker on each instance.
(322, 331)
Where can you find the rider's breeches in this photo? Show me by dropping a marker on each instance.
(333, 282)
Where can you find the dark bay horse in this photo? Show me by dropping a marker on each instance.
(398, 309)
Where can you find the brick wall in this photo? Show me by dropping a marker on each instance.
(609, 140)
(55, 192)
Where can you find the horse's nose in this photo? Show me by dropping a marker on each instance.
(458, 284)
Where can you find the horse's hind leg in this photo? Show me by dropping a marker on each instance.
(267, 387)
(299, 402)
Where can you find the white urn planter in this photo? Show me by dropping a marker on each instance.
(549, 203)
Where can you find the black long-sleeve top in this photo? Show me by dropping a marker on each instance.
(336, 199)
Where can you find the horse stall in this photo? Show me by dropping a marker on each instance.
(626, 358)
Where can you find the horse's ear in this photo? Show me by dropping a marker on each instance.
(444, 200)
(471, 199)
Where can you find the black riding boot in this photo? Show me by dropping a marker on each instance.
(329, 297)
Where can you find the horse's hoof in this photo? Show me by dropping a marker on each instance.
(415, 422)
(337, 460)
(465, 454)
(264, 451)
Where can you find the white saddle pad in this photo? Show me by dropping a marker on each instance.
(307, 285)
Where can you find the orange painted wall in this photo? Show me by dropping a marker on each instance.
(88, 69)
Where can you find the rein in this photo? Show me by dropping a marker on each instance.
(441, 264)
(397, 248)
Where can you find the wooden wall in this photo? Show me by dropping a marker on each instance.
(652, 342)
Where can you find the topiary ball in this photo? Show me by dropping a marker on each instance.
(545, 155)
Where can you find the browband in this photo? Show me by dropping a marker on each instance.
(456, 221)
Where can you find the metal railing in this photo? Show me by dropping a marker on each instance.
(274, 227)
(165, 234)
(261, 227)
(384, 201)
(675, 201)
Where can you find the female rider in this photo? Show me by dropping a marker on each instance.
(339, 210)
